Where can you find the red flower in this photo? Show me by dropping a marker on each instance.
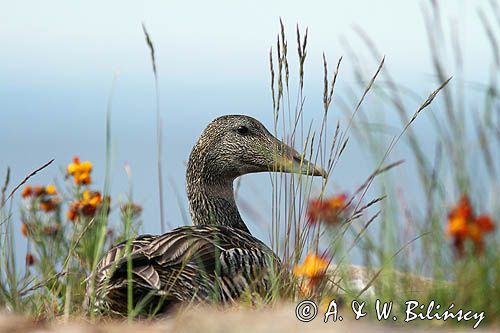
(485, 223)
(464, 225)
(44, 197)
(89, 204)
(24, 229)
(48, 205)
(30, 259)
(330, 211)
(27, 192)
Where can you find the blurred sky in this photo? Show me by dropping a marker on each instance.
(59, 59)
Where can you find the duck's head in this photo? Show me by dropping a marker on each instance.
(235, 145)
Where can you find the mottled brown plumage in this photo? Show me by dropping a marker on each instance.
(217, 259)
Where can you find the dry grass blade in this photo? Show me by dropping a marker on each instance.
(4, 187)
(368, 87)
(334, 80)
(365, 227)
(484, 145)
(158, 128)
(64, 270)
(343, 138)
(491, 36)
(356, 239)
(376, 173)
(42, 284)
(301, 50)
(151, 48)
(284, 45)
(371, 203)
(26, 179)
(271, 68)
(393, 143)
(428, 101)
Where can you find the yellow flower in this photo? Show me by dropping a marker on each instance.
(50, 190)
(91, 198)
(80, 171)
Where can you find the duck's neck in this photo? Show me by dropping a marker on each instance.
(211, 197)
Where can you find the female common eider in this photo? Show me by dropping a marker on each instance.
(217, 259)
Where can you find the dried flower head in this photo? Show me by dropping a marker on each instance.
(131, 209)
(51, 230)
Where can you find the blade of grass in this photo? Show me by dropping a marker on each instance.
(149, 42)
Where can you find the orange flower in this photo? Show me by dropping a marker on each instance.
(49, 205)
(80, 171)
(27, 192)
(313, 270)
(463, 225)
(44, 196)
(50, 190)
(38, 191)
(460, 217)
(89, 203)
(30, 259)
(93, 198)
(24, 229)
(73, 211)
(87, 206)
(314, 266)
(330, 211)
(457, 226)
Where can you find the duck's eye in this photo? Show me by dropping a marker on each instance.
(242, 129)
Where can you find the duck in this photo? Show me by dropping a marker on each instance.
(217, 259)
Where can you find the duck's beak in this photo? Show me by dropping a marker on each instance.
(307, 168)
(289, 160)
